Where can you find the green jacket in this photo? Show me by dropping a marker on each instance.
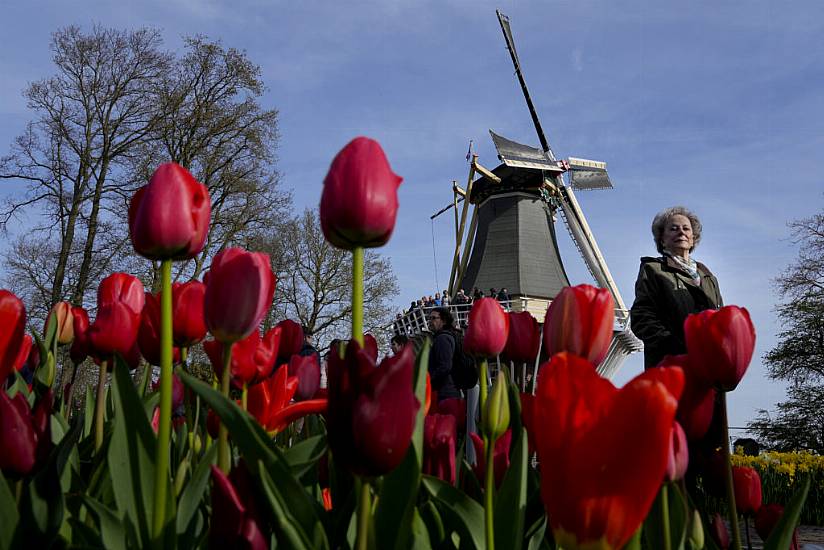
(664, 296)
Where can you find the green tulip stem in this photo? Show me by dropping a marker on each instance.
(164, 429)
(100, 407)
(184, 355)
(725, 448)
(482, 370)
(357, 294)
(665, 519)
(364, 511)
(244, 397)
(489, 493)
(224, 459)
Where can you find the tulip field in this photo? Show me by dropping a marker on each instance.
(259, 455)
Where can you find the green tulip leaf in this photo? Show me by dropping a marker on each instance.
(536, 534)
(461, 513)
(393, 517)
(279, 483)
(678, 519)
(304, 455)
(782, 534)
(510, 501)
(8, 511)
(88, 412)
(112, 530)
(192, 495)
(292, 535)
(634, 543)
(420, 535)
(131, 455)
(432, 519)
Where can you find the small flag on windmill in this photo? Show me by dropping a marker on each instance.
(469, 151)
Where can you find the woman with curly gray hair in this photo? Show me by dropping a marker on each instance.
(671, 286)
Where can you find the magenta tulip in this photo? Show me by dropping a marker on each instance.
(580, 320)
(80, 347)
(233, 525)
(307, 370)
(720, 344)
(767, 518)
(148, 335)
(372, 410)
(500, 457)
(169, 217)
(487, 329)
(679, 455)
(359, 202)
(719, 532)
(239, 290)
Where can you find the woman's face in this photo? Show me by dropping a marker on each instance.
(677, 236)
(396, 347)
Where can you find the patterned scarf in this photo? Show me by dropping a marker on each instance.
(689, 266)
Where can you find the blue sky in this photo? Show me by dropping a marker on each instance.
(714, 105)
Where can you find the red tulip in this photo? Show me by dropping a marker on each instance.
(239, 290)
(188, 325)
(359, 202)
(580, 320)
(148, 335)
(270, 396)
(123, 288)
(25, 351)
(13, 321)
(718, 532)
(696, 406)
(178, 392)
(169, 217)
(747, 485)
(591, 497)
(679, 454)
(232, 526)
(18, 443)
(372, 410)
(720, 344)
(371, 347)
(62, 312)
(33, 358)
(291, 340)
(487, 328)
(80, 347)
(528, 418)
(767, 518)
(114, 330)
(307, 369)
(41, 424)
(524, 337)
(500, 457)
(253, 358)
(439, 435)
(456, 407)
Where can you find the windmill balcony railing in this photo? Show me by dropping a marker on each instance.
(415, 320)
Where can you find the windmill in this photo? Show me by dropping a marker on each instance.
(511, 240)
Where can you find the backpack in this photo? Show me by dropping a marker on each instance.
(464, 372)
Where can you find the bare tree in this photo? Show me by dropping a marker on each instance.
(315, 283)
(89, 116)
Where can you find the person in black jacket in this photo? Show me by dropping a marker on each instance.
(441, 323)
(671, 286)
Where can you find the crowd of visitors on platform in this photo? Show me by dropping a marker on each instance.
(461, 297)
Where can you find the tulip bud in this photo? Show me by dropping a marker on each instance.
(696, 531)
(169, 217)
(45, 374)
(678, 458)
(359, 202)
(720, 344)
(580, 320)
(767, 518)
(80, 347)
(500, 456)
(13, 321)
(719, 532)
(239, 290)
(747, 485)
(496, 416)
(62, 313)
(487, 328)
